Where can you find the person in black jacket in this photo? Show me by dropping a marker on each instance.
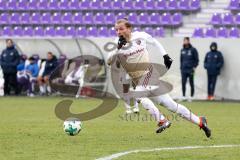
(9, 60)
(50, 66)
(213, 63)
(189, 62)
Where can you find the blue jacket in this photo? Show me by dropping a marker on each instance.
(9, 60)
(50, 66)
(33, 69)
(213, 61)
(188, 59)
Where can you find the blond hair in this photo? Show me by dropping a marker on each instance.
(125, 22)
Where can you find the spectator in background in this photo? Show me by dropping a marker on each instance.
(43, 80)
(189, 62)
(213, 63)
(27, 75)
(9, 61)
(1, 82)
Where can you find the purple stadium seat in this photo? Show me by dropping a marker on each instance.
(149, 30)
(150, 5)
(228, 19)
(216, 19)
(166, 19)
(15, 18)
(195, 5)
(133, 18)
(4, 18)
(159, 32)
(143, 18)
(137, 29)
(12, 5)
(33, 4)
(85, 4)
(25, 18)
(234, 33)
(237, 19)
(106, 4)
(120, 15)
(28, 31)
(117, 4)
(99, 18)
(172, 5)
(46, 18)
(63, 4)
(222, 32)
(161, 5)
(35, 19)
(177, 19)
(3, 5)
(95, 4)
(139, 4)
(70, 31)
(7, 31)
(234, 5)
(50, 31)
(39, 31)
(56, 18)
(53, 5)
(103, 32)
(43, 4)
(67, 18)
(92, 32)
(110, 18)
(155, 19)
(77, 18)
(112, 32)
(81, 32)
(60, 31)
(128, 4)
(198, 33)
(184, 5)
(74, 5)
(22, 5)
(17, 31)
(210, 32)
(88, 18)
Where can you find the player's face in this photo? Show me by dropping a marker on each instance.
(9, 43)
(122, 30)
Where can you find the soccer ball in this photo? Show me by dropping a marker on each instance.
(72, 126)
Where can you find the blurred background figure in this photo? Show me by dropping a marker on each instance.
(1, 82)
(48, 67)
(213, 63)
(188, 63)
(9, 60)
(27, 74)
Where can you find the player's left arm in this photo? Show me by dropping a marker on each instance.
(167, 60)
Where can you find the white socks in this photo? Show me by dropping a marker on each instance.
(152, 109)
(171, 105)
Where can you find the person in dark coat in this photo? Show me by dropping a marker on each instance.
(213, 63)
(188, 63)
(9, 60)
(50, 66)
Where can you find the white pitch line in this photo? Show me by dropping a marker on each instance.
(117, 155)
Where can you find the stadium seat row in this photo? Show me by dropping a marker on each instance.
(89, 18)
(213, 32)
(167, 5)
(71, 31)
(227, 19)
(234, 5)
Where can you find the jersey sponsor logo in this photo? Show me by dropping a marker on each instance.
(139, 51)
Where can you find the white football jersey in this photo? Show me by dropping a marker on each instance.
(134, 56)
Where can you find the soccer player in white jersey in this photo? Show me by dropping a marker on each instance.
(136, 54)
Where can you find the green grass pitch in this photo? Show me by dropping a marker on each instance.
(29, 130)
